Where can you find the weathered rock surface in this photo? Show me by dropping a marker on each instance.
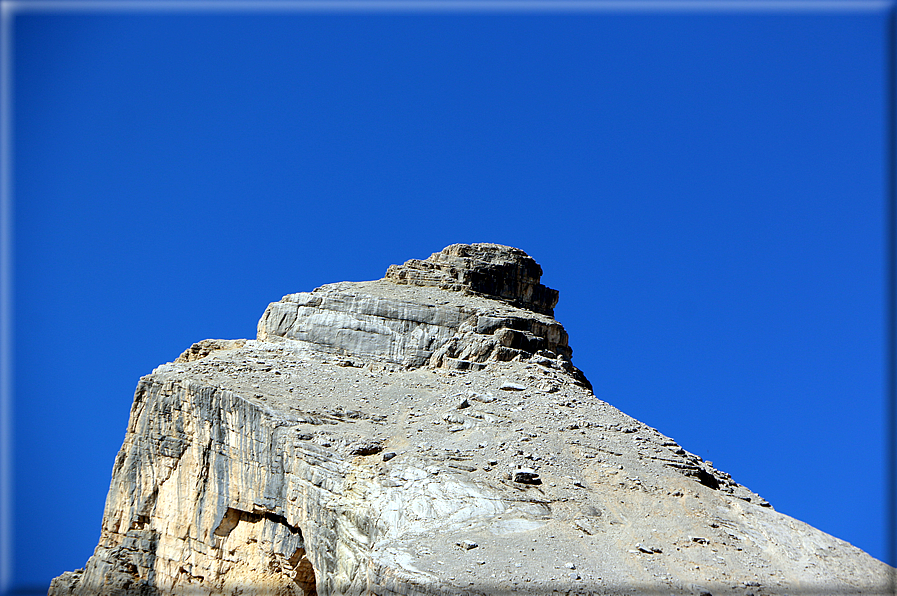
(427, 434)
(460, 308)
(491, 270)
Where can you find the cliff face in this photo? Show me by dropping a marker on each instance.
(427, 434)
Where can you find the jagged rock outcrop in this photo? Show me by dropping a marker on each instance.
(490, 270)
(427, 434)
(449, 314)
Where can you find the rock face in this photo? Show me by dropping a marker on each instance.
(461, 308)
(427, 434)
(491, 270)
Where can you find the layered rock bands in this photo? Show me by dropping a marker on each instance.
(427, 434)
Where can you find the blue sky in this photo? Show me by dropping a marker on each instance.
(705, 188)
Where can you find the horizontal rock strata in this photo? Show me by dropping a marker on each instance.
(436, 321)
(491, 270)
(408, 438)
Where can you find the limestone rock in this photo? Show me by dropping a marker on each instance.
(203, 348)
(491, 270)
(418, 313)
(332, 455)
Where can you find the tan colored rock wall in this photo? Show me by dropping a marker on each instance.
(210, 490)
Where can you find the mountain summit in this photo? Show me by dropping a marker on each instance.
(427, 434)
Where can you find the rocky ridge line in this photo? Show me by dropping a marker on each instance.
(419, 435)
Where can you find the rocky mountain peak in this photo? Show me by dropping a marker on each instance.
(492, 270)
(462, 307)
(426, 434)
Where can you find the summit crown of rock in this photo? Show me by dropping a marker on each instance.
(460, 308)
(427, 434)
(492, 270)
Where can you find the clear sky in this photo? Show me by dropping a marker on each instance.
(705, 188)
